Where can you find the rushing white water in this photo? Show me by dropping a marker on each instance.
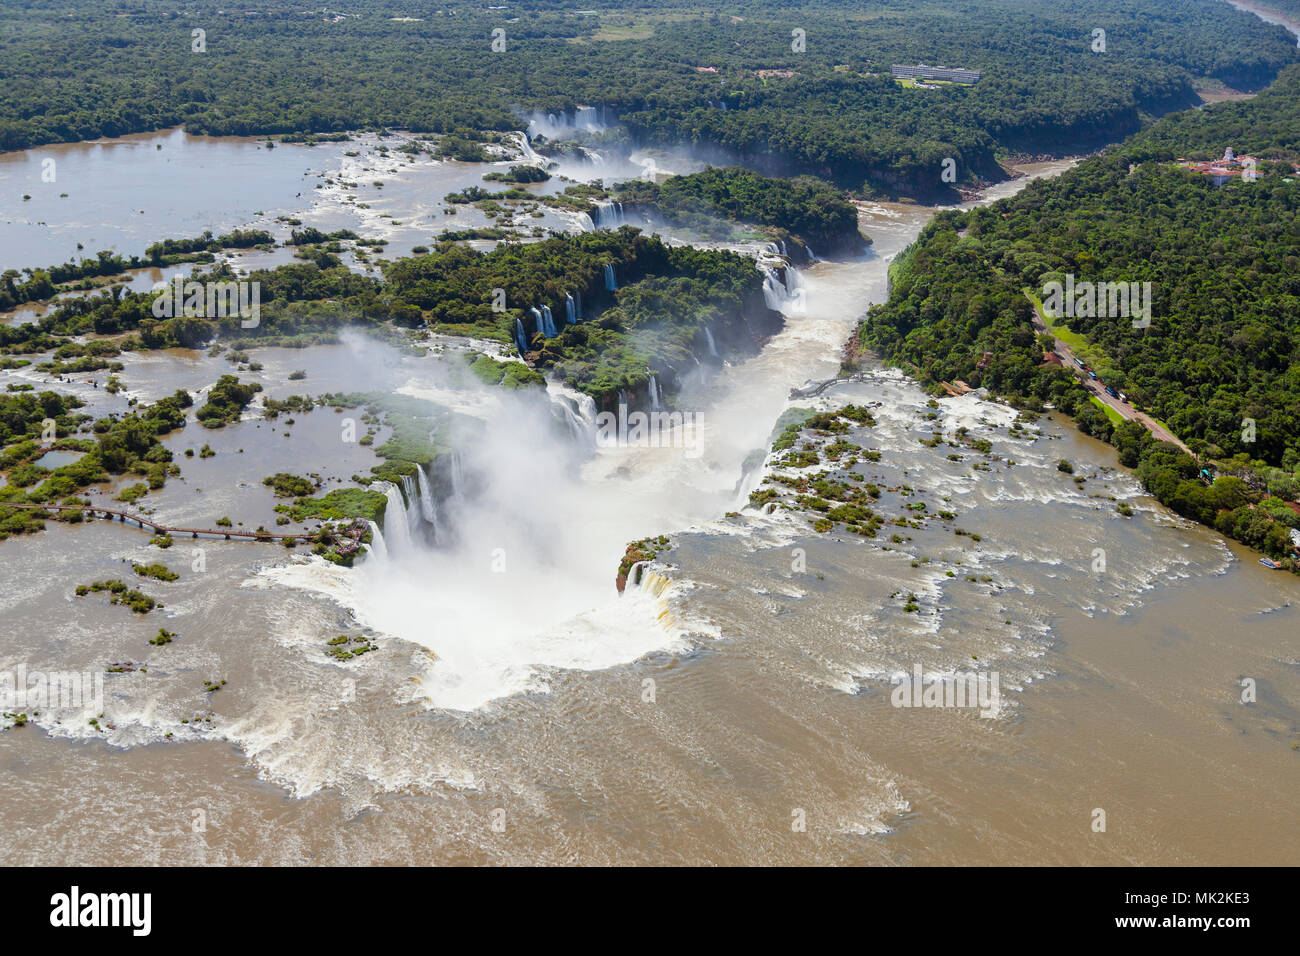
(378, 547)
(427, 510)
(521, 337)
(548, 322)
(570, 310)
(611, 282)
(585, 222)
(654, 393)
(609, 215)
(397, 524)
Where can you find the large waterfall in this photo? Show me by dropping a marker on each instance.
(396, 523)
(611, 283)
(377, 546)
(781, 295)
(427, 510)
(609, 215)
(586, 223)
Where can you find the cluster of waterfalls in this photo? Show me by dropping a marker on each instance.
(414, 517)
(544, 320)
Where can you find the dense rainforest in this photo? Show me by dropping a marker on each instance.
(1220, 361)
(786, 89)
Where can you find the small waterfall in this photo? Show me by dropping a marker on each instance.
(783, 252)
(611, 283)
(622, 397)
(708, 334)
(537, 321)
(570, 310)
(549, 322)
(377, 546)
(654, 393)
(585, 117)
(396, 522)
(811, 255)
(521, 339)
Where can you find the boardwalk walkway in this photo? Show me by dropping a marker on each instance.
(156, 527)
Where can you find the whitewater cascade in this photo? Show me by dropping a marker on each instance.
(609, 215)
(377, 546)
(570, 309)
(427, 510)
(611, 283)
(531, 156)
(585, 222)
(521, 339)
(397, 523)
(654, 393)
(713, 348)
(585, 117)
(777, 294)
(537, 321)
(549, 320)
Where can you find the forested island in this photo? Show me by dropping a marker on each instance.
(760, 89)
(805, 210)
(1219, 363)
(603, 311)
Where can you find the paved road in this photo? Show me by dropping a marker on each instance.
(1126, 411)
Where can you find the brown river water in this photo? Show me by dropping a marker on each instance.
(733, 708)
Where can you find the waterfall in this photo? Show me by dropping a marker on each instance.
(811, 255)
(426, 499)
(377, 546)
(570, 310)
(783, 252)
(773, 289)
(537, 321)
(622, 397)
(586, 223)
(530, 155)
(549, 320)
(609, 214)
(410, 492)
(521, 339)
(611, 283)
(585, 117)
(708, 334)
(396, 522)
(654, 394)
